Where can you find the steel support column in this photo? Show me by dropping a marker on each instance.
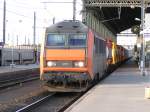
(142, 35)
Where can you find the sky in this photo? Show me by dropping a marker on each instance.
(20, 13)
(20, 16)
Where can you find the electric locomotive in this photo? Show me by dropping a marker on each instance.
(72, 57)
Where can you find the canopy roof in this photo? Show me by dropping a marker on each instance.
(115, 3)
(118, 15)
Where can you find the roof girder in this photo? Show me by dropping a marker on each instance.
(115, 3)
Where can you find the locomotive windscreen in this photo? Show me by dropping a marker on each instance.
(77, 40)
(66, 40)
(56, 40)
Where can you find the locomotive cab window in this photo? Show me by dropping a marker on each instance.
(55, 40)
(66, 40)
(78, 40)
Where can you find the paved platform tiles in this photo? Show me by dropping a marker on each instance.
(122, 91)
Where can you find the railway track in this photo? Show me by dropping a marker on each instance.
(55, 102)
(35, 104)
(17, 80)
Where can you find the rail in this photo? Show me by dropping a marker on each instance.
(13, 82)
(34, 104)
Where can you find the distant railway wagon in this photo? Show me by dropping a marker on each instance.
(73, 56)
(17, 55)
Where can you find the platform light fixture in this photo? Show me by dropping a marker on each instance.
(137, 19)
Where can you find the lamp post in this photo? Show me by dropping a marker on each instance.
(34, 39)
(4, 22)
(12, 53)
(142, 36)
(12, 49)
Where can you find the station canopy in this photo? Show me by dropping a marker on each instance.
(118, 15)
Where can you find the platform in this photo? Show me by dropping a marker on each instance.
(122, 91)
(8, 71)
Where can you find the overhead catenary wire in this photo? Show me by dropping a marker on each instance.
(16, 13)
(22, 15)
(19, 6)
(26, 7)
(19, 14)
(52, 2)
(21, 3)
(74, 2)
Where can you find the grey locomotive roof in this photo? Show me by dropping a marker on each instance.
(67, 26)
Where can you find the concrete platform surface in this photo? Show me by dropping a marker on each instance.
(8, 69)
(122, 91)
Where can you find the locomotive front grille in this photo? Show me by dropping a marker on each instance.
(64, 64)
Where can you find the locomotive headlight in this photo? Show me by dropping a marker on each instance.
(79, 64)
(51, 64)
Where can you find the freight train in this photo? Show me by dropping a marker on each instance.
(73, 56)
